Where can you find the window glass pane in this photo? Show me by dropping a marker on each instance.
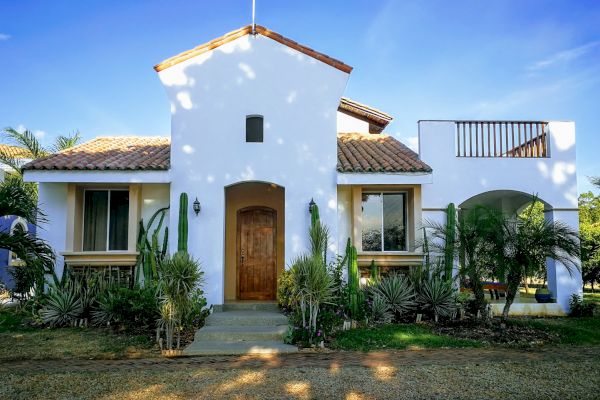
(94, 220)
(254, 128)
(119, 220)
(394, 237)
(371, 221)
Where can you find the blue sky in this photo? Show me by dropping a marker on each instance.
(87, 65)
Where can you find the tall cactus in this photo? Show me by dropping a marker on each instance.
(374, 271)
(449, 243)
(182, 227)
(314, 215)
(150, 252)
(353, 280)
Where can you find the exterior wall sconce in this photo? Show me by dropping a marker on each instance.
(196, 206)
(310, 205)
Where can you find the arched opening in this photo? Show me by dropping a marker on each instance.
(514, 204)
(254, 240)
(19, 225)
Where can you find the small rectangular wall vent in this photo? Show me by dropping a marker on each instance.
(254, 128)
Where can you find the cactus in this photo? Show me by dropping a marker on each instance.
(353, 280)
(149, 252)
(425, 247)
(314, 215)
(449, 243)
(374, 271)
(182, 227)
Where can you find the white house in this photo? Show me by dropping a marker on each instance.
(260, 127)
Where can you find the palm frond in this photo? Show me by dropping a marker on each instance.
(18, 198)
(27, 141)
(11, 161)
(65, 142)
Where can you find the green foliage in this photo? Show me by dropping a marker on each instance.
(285, 290)
(63, 306)
(151, 253)
(182, 227)
(125, 308)
(580, 307)
(374, 271)
(449, 242)
(354, 292)
(436, 295)
(318, 235)
(380, 310)
(398, 293)
(180, 278)
(589, 231)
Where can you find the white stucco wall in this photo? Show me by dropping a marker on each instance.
(210, 95)
(344, 220)
(553, 179)
(456, 179)
(52, 200)
(155, 197)
(348, 124)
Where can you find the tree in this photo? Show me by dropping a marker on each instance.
(589, 230)
(476, 233)
(16, 200)
(535, 211)
(31, 147)
(524, 241)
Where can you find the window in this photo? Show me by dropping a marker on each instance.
(105, 220)
(19, 228)
(254, 128)
(384, 222)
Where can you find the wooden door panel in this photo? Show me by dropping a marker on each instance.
(257, 253)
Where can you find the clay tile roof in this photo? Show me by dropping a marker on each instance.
(110, 153)
(376, 153)
(246, 30)
(372, 114)
(14, 151)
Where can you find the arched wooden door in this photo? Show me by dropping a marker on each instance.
(256, 253)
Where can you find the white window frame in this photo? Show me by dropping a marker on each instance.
(405, 217)
(107, 220)
(17, 261)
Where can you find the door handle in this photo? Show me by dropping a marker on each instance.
(242, 257)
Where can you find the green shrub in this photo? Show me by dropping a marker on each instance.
(436, 295)
(285, 290)
(124, 308)
(580, 307)
(63, 306)
(398, 293)
(198, 311)
(380, 310)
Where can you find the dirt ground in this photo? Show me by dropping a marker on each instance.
(560, 372)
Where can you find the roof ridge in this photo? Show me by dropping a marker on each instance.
(247, 30)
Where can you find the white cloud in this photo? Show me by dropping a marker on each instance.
(564, 56)
(4, 37)
(39, 134)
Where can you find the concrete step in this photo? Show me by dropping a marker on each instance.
(240, 333)
(246, 318)
(237, 348)
(251, 306)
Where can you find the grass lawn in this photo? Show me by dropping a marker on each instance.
(571, 331)
(21, 342)
(400, 336)
(593, 297)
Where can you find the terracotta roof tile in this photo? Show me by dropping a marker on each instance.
(14, 151)
(110, 153)
(376, 153)
(246, 30)
(354, 107)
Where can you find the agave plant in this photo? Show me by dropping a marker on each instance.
(380, 310)
(397, 292)
(63, 306)
(437, 295)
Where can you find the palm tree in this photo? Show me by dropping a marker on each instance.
(526, 240)
(31, 148)
(476, 232)
(16, 200)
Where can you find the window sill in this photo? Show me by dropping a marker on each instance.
(100, 258)
(389, 258)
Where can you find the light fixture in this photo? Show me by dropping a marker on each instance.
(310, 205)
(196, 206)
